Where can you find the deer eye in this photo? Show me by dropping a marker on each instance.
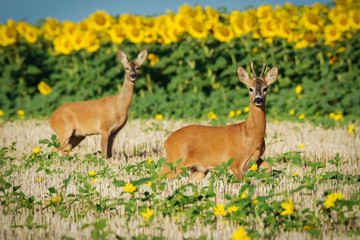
(127, 69)
(265, 89)
(251, 89)
(137, 69)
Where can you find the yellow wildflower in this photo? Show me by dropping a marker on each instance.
(40, 179)
(1, 113)
(298, 89)
(216, 86)
(233, 209)
(276, 121)
(292, 112)
(148, 214)
(243, 195)
(302, 145)
(254, 202)
(231, 114)
(332, 115)
(211, 115)
(296, 174)
(238, 112)
(95, 180)
(150, 161)
(302, 116)
(158, 117)
(130, 188)
(288, 208)
(92, 173)
(246, 109)
(331, 199)
(36, 150)
(240, 234)
(219, 210)
(21, 114)
(149, 184)
(351, 128)
(254, 167)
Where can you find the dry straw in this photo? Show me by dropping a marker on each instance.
(140, 140)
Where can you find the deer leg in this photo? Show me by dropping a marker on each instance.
(264, 165)
(64, 138)
(74, 141)
(105, 135)
(197, 174)
(111, 143)
(236, 169)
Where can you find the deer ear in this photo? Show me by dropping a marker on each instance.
(271, 75)
(122, 56)
(243, 76)
(141, 57)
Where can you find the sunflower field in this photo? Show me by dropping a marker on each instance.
(191, 68)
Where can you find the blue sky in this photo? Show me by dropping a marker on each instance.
(76, 10)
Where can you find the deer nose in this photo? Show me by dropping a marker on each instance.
(258, 100)
(133, 76)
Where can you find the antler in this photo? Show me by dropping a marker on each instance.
(252, 69)
(263, 70)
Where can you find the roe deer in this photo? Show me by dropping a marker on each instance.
(72, 122)
(202, 148)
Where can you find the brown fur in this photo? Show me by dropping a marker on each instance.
(72, 122)
(202, 148)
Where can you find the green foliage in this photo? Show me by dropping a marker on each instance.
(192, 78)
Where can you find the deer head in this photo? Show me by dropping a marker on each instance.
(132, 68)
(257, 85)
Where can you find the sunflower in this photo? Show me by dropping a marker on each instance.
(21, 28)
(188, 11)
(264, 12)
(100, 21)
(128, 21)
(197, 29)
(284, 29)
(237, 22)
(44, 88)
(51, 28)
(84, 25)
(8, 35)
(181, 23)
(250, 22)
(11, 23)
(268, 28)
(342, 22)
(223, 33)
(68, 28)
(31, 34)
(62, 45)
(331, 34)
(78, 41)
(212, 14)
(355, 19)
(312, 21)
(135, 34)
(116, 33)
(150, 36)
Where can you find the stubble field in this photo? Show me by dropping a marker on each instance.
(44, 196)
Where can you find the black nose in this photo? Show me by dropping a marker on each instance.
(258, 100)
(133, 75)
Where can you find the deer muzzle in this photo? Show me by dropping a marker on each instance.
(258, 101)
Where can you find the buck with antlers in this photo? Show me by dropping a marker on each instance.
(202, 148)
(72, 122)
